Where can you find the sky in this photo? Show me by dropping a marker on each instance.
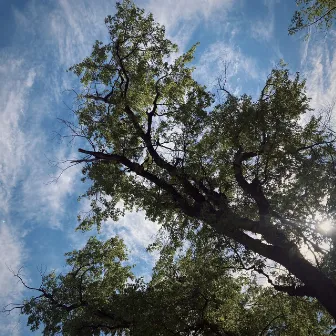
(40, 40)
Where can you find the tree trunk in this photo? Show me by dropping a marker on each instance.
(317, 284)
(321, 287)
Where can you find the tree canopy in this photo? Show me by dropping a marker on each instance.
(318, 13)
(192, 293)
(255, 177)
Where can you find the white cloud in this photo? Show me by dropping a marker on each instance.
(219, 55)
(263, 29)
(75, 25)
(50, 192)
(24, 167)
(304, 50)
(12, 257)
(171, 12)
(25, 108)
(182, 17)
(319, 67)
(15, 147)
(137, 231)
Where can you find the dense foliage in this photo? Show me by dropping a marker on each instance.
(198, 292)
(251, 171)
(244, 183)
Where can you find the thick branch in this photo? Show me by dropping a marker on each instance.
(151, 114)
(123, 69)
(316, 284)
(296, 290)
(253, 189)
(172, 170)
(139, 170)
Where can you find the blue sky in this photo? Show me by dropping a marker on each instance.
(40, 39)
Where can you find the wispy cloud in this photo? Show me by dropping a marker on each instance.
(221, 59)
(263, 28)
(24, 167)
(319, 67)
(182, 17)
(137, 231)
(12, 258)
(171, 13)
(13, 142)
(30, 102)
(51, 192)
(75, 25)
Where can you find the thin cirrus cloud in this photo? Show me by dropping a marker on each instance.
(221, 59)
(26, 108)
(319, 66)
(136, 231)
(25, 168)
(22, 140)
(31, 105)
(14, 156)
(262, 29)
(12, 257)
(13, 104)
(54, 35)
(181, 18)
(75, 25)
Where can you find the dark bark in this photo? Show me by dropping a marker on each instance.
(279, 249)
(197, 202)
(316, 283)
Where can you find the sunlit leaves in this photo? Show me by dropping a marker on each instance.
(248, 169)
(178, 145)
(195, 292)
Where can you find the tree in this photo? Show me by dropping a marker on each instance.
(318, 13)
(193, 293)
(248, 170)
